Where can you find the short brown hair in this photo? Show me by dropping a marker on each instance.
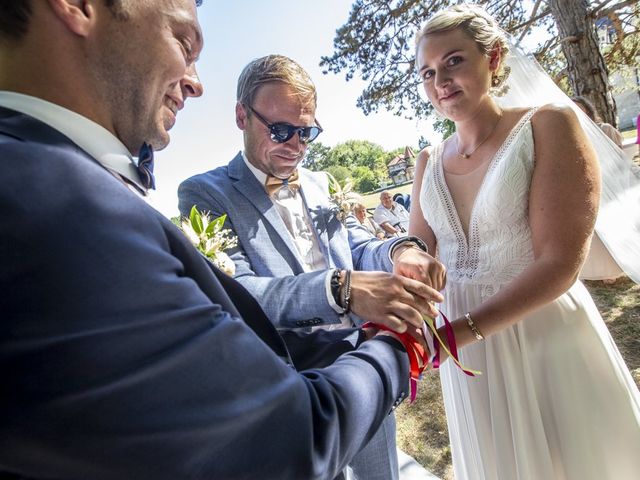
(589, 109)
(274, 68)
(14, 18)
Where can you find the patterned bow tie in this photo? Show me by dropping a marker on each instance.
(145, 166)
(274, 184)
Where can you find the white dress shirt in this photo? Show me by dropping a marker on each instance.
(94, 139)
(295, 216)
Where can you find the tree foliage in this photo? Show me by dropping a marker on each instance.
(362, 161)
(376, 43)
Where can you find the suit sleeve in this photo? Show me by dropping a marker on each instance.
(116, 365)
(320, 348)
(290, 301)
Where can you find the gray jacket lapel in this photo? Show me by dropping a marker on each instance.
(247, 185)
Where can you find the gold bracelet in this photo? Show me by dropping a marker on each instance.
(472, 326)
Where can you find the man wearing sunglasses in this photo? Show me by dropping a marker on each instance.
(305, 267)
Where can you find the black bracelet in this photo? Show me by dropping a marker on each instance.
(411, 239)
(336, 286)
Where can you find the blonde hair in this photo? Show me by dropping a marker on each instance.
(480, 27)
(274, 68)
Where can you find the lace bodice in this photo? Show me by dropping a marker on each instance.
(499, 244)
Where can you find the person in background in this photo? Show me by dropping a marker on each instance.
(392, 217)
(360, 212)
(587, 107)
(638, 135)
(403, 199)
(599, 264)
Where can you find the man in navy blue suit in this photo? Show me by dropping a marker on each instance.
(123, 353)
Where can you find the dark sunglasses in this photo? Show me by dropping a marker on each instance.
(282, 132)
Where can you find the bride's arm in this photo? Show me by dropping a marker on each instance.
(563, 203)
(418, 226)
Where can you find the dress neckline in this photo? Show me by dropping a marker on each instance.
(468, 246)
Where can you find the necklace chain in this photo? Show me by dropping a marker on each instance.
(467, 155)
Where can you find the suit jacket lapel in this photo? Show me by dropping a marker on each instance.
(248, 186)
(226, 292)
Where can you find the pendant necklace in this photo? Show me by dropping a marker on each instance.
(467, 155)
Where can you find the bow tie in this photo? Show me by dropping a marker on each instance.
(274, 184)
(145, 166)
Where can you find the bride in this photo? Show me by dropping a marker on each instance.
(510, 202)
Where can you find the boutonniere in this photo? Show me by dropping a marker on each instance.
(342, 198)
(210, 238)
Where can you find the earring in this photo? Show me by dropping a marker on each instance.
(499, 85)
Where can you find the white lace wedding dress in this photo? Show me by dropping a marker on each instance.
(555, 400)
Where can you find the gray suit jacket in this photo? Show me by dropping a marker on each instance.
(267, 263)
(123, 355)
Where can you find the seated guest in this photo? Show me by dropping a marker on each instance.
(391, 216)
(403, 199)
(360, 212)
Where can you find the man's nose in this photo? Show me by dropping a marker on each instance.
(295, 143)
(190, 83)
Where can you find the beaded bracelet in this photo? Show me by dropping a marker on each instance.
(346, 292)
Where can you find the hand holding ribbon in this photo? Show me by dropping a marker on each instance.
(423, 347)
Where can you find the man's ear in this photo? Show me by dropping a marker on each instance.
(77, 15)
(241, 116)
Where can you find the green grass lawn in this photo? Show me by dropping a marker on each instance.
(633, 133)
(422, 427)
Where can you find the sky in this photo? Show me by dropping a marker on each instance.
(236, 32)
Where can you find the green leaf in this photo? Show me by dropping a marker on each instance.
(195, 218)
(216, 225)
(333, 184)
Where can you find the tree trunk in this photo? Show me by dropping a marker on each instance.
(588, 74)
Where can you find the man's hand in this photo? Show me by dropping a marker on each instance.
(411, 262)
(392, 300)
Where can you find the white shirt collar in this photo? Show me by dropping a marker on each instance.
(259, 174)
(94, 139)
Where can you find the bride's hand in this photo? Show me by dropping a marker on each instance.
(412, 262)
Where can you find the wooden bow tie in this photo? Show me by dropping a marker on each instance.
(274, 184)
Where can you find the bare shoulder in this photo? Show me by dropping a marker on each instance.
(423, 156)
(554, 117)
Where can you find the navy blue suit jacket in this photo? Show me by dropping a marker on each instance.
(124, 355)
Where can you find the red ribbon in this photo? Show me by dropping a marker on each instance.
(417, 352)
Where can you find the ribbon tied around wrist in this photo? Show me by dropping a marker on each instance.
(419, 357)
